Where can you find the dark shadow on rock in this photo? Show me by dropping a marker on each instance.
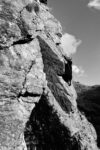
(68, 71)
(45, 132)
(54, 68)
(25, 40)
(43, 1)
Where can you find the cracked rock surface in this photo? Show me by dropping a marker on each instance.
(38, 109)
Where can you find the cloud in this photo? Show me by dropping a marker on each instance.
(94, 4)
(69, 44)
(78, 70)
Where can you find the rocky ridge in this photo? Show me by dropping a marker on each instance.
(38, 108)
(88, 101)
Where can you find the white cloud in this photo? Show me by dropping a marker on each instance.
(69, 44)
(78, 70)
(95, 4)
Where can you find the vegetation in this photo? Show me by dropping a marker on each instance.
(89, 102)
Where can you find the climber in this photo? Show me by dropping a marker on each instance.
(43, 1)
(68, 70)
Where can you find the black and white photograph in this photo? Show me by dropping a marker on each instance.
(49, 74)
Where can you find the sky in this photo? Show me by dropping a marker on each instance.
(81, 18)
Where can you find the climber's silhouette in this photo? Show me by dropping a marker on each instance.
(68, 70)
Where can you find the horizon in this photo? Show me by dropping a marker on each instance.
(82, 22)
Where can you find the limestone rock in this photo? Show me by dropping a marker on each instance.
(38, 108)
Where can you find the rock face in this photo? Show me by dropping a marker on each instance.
(38, 109)
(88, 101)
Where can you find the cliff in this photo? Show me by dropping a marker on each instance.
(88, 101)
(38, 109)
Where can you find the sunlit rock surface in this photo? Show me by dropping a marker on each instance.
(38, 109)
